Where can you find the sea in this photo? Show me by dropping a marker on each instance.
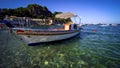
(95, 47)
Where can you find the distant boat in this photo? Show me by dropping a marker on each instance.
(113, 24)
(33, 36)
(104, 25)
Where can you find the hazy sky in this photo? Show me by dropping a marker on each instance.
(91, 11)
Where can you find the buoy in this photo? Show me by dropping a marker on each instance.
(94, 30)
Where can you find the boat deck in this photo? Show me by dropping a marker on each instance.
(45, 32)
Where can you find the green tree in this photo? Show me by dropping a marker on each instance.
(32, 10)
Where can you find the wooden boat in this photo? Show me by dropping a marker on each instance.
(34, 36)
(41, 36)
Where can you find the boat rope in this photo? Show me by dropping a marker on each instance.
(6, 43)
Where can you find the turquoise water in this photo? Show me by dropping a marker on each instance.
(100, 49)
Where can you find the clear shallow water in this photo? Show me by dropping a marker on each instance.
(100, 49)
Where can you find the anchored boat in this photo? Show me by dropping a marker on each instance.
(34, 36)
(39, 36)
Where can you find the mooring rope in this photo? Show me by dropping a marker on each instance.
(6, 43)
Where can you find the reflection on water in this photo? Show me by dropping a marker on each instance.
(100, 49)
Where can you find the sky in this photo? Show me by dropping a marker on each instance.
(90, 11)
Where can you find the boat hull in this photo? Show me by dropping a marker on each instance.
(32, 39)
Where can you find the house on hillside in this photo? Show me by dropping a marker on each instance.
(27, 21)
